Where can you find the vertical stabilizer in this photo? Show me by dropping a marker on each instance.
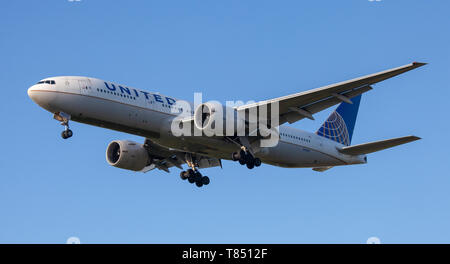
(340, 124)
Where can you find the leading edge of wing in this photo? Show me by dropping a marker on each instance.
(343, 86)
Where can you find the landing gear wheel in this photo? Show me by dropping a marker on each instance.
(205, 180)
(257, 162)
(243, 157)
(197, 177)
(235, 156)
(251, 164)
(193, 176)
(184, 175)
(67, 134)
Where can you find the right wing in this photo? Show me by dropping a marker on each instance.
(295, 107)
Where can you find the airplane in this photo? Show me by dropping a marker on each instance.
(150, 115)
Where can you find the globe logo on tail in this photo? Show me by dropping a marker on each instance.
(335, 129)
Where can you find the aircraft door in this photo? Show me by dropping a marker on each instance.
(85, 88)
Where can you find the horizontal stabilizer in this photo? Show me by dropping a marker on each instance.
(377, 145)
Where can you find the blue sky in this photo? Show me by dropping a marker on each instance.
(52, 189)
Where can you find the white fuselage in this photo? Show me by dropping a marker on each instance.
(109, 105)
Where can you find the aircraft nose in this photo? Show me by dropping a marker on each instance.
(44, 98)
(31, 93)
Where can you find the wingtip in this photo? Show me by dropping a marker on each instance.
(415, 138)
(419, 64)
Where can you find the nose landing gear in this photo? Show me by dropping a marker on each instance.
(64, 118)
(66, 134)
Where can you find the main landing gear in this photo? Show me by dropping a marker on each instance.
(246, 158)
(64, 118)
(192, 174)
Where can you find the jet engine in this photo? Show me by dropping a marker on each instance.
(213, 118)
(127, 155)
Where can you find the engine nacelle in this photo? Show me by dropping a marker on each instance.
(213, 118)
(127, 155)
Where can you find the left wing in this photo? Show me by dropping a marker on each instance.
(295, 107)
(163, 158)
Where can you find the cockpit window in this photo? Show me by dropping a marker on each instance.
(47, 82)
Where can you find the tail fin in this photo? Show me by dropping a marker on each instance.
(340, 124)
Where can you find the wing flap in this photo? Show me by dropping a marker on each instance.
(316, 107)
(371, 147)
